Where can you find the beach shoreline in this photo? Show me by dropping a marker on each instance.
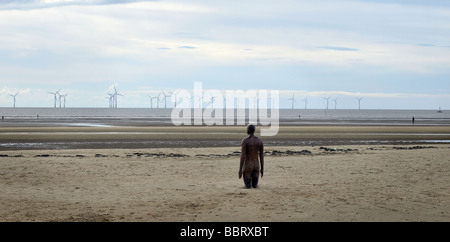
(63, 137)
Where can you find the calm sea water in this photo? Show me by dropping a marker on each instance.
(288, 116)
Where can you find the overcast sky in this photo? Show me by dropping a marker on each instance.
(395, 54)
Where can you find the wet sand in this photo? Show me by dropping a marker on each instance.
(130, 174)
(212, 136)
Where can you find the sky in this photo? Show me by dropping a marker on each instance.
(394, 54)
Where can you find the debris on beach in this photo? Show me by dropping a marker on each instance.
(43, 155)
(337, 150)
(414, 147)
(290, 152)
(159, 155)
(234, 153)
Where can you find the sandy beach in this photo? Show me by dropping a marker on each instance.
(335, 182)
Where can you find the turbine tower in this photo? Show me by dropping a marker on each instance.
(64, 97)
(200, 100)
(328, 99)
(14, 96)
(306, 102)
(111, 100)
(175, 94)
(157, 101)
(224, 102)
(165, 98)
(292, 99)
(151, 103)
(55, 93)
(212, 100)
(335, 103)
(359, 102)
(255, 102)
(116, 94)
(59, 99)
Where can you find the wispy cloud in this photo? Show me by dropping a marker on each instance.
(338, 48)
(37, 4)
(187, 47)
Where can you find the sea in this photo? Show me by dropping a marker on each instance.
(161, 116)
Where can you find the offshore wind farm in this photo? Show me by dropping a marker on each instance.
(159, 109)
(163, 107)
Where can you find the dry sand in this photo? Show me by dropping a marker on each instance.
(347, 183)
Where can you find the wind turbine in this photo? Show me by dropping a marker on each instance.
(55, 93)
(157, 101)
(14, 96)
(200, 100)
(328, 99)
(292, 99)
(306, 102)
(59, 99)
(359, 102)
(212, 98)
(64, 97)
(151, 101)
(335, 103)
(111, 99)
(175, 94)
(116, 94)
(165, 98)
(256, 102)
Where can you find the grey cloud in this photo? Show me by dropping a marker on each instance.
(187, 47)
(338, 48)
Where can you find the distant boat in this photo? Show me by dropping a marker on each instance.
(439, 111)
